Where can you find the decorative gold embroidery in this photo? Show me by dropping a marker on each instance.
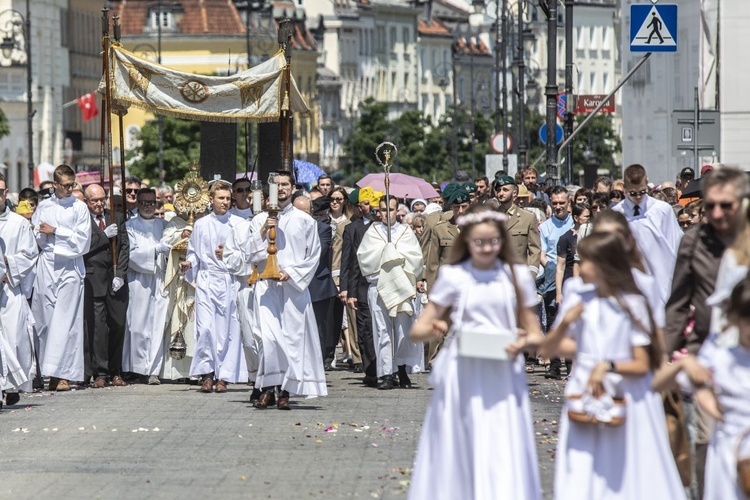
(250, 92)
(194, 91)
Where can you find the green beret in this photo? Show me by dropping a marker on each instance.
(459, 196)
(469, 187)
(354, 196)
(504, 180)
(448, 190)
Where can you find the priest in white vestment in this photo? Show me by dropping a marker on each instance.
(20, 253)
(654, 227)
(392, 270)
(218, 341)
(143, 349)
(62, 226)
(238, 262)
(290, 354)
(181, 301)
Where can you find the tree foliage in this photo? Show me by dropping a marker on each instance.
(4, 125)
(181, 145)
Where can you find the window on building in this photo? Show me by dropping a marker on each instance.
(165, 19)
(592, 81)
(593, 39)
(580, 38)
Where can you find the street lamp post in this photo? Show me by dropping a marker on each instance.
(550, 8)
(16, 24)
(160, 119)
(504, 22)
(521, 139)
(569, 89)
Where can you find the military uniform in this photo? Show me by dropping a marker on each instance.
(523, 229)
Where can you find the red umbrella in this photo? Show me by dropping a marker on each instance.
(402, 185)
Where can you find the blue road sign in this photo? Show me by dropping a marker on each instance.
(543, 133)
(653, 28)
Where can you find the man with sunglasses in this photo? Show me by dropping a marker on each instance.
(62, 227)
(242, 204)
(132, 186)
(695, 273)
(654, 227)
(143, 348)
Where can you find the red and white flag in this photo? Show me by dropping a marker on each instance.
(88, 106)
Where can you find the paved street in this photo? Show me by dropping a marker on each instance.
(170, 440)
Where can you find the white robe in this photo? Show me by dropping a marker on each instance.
(218, 341)
(247, 299)
(658, 236)
(143, 349)
(243, 213)
(15, 314)
(290, 352)
(180, 307)
(57, 304)
(384, 264)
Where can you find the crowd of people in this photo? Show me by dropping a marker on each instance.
(625, 290)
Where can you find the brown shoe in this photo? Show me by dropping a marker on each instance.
(283, 403)
(265, 400)
(207, 385)
(221, 386)
(100, 383)
(63, 386)
(117, 381)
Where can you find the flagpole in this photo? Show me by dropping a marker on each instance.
(120, 111)
(107, 143)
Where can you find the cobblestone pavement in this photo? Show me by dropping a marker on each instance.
(171, 441)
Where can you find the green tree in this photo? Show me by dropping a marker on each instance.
(598, 142)
(181, 146)
(4, 125)
(371, 129)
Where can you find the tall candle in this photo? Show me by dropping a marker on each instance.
(257, 205)
(273, 195)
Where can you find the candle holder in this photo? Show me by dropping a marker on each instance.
(271, 271)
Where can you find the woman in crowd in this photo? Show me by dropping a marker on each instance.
(478, 436)
(615, 197)
(583, 196)
(616, 348)
(567, 266)
(340, 213)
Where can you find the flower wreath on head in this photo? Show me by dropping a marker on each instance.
(479, 217)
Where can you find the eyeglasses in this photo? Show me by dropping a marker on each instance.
(636, 194)
(479, 243)
(131, 191)
(242, 190)
(725, 206)
(147, 203)
(337, 200)
(686, 223)
(68, 186)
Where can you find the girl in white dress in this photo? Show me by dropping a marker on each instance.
(478, 435)
(726, 398)
(605, 322)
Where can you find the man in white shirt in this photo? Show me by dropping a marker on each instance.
(18, 246)
(654, 227)
(290, 354)
(143, 349)
(62, 227)
(392, 267)
(218, 342)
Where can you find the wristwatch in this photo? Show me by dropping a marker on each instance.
(612, 367)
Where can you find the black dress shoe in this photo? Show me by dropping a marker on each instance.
(255, 396)
(387, 383)
(358, 368)
(370, 381)
(265, 400)
(553, 373)
(403, 379)
(12, 398)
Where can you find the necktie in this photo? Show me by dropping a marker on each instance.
(101, 222)
(636, 210)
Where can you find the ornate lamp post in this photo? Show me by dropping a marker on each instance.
(12, 26)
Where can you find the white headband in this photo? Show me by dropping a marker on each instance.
(479, 217)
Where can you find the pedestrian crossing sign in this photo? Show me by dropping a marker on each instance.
(653, 28)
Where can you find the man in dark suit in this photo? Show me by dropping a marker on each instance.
(323, 289)
(105, 293)
(355, 286)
